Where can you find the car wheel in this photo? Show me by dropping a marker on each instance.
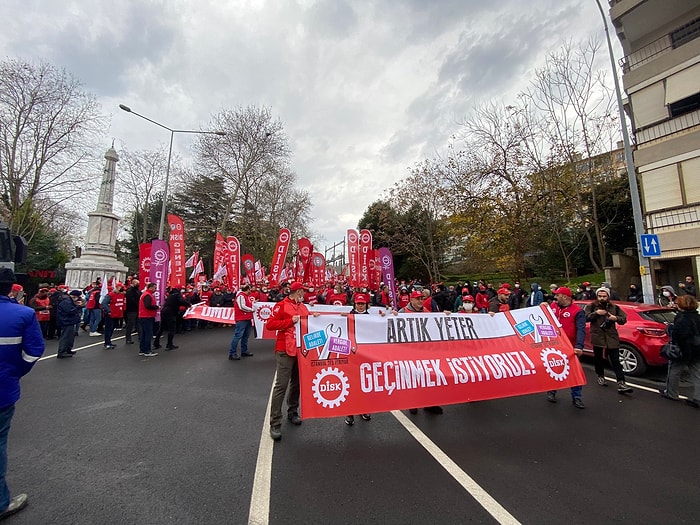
(631, 360)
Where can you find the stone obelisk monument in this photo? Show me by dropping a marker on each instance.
(99, 259)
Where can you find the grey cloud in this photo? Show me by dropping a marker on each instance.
(331, 19)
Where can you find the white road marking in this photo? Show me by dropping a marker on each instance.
(100, 342)
(259, 513)
(500, 514)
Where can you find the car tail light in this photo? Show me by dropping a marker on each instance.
(656, 332)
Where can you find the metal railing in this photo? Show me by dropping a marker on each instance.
(665, 44)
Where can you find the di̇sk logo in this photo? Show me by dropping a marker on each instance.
(330, 387)
(352, 237)
(233, 246)
(318, 261)
(556, 363)
(146, 264)
(284, 237)
(248, 264)
(264, 313)
(365, 238)
(159, 257)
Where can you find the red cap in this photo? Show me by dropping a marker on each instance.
(563, 291)
(361, 298)
(503, 291)
(17, 288)
(296, 286)
(416, 293)
(467, 298)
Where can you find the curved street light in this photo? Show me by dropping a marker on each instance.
(170, 153)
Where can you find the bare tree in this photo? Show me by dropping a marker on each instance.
(48, 127)
(578, 124)
(255, 145)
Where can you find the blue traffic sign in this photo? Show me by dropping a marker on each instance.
(650, 245)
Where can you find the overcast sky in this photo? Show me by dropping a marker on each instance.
(364, 89)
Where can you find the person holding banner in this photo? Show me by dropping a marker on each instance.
(148, 308)
(573, 324)
(285, 315)
(416, 306)
(360, 302)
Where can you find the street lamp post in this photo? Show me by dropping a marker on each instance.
(644, 268)
(170, 154)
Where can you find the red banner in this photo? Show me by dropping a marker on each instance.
(248, 264)
(233, 263)
(317, 275)
(375, 270)
(365, 256)
(372, 363)
(279, 256)
(144, 263)
(353, 240)
(178, 275)
(306, 248)
(216, 314)
(219, 254)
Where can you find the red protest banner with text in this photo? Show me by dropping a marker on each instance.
(144, 263)
(375, 270)
(178, 275)
(365, 256)
(233, 263)
(306, 248)
(219, 253)
(318, 270)
(279, 256)
(371, 363)
(353, 240)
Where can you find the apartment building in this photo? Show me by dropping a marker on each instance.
(661, 76)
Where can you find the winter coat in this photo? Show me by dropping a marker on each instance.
(604, 332)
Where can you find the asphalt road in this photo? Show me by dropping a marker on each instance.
(109, 437)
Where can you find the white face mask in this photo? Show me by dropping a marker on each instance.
(517, 286)
(468, 306)
(667, 293)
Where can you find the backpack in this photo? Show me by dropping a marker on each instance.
(92, 303)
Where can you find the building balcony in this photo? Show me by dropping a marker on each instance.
(665, 130)
(674, 219)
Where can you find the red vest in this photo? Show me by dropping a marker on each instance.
(143, 311)
(567, 318)
(241, 315)
(117, 303)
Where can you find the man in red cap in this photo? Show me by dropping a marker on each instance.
(285, 315)
(573, 323)
(416, 306)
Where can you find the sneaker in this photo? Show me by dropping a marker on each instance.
(16, 504)
(150, 354)
(63, 355)
(276, 432)
(622, 388)
(552, 396)
(94, 334)
(232, 357)
(664, 393)
(366, 417)
(247, 354)
(350, 420)
(171, 347)
(601, 381)
(578, 403)
(294, 419)
(110, 347)
(142, 353)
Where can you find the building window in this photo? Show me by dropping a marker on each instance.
(686, 33)
(686, 105)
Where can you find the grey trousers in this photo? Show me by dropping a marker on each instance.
(675, 370)
(287, 375)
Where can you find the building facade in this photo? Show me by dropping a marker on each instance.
(661, 76)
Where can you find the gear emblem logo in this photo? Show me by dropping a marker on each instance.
(330, 387)
(264, 313)
(556, 363)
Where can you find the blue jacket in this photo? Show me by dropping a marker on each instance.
(68, 313)
(21, 345)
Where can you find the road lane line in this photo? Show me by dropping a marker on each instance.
(500, 514)
(259, 513)
(100, 342)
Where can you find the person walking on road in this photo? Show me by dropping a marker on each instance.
(133, 294)
(685, 332)
(68, 315)
(148, 308)
(168, 317)
(285, 315)
(21, 345)
(360, 306)
(604, 317)
(573, 324)
(243, 312)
